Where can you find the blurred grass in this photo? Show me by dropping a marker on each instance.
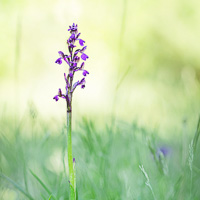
(107, 162)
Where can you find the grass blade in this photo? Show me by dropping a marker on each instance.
(42, 184)
(17, 186)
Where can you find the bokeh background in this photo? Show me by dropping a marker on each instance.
(144, 58)
(144, 68)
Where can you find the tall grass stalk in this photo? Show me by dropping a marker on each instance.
(148, 184)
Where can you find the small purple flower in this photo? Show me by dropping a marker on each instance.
(85, 72)
(73, 37)
(163, 150)
(76, 59)
(84, 56)
(56, 98)
(73, 65)
(62, 55)
(70, 75)
(81, 42)
(59, 61)
(73, 28)
(82, 83)
(71, 46)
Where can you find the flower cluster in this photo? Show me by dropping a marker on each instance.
(72, 60)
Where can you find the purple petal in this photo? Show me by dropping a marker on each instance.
(76, 58)
(73, 65)
(82, 83)
(84, 56)
(59, 92)
(82, 66)
(73, 28)
(73, 36)
(72, 46)
(65, 77)
(78, 35)
(62, 55)
(75, 85)
(70, 75)
(58, 61)
(85, 73)
(81, 42)
(56, 98)
(76, 52)
(83, 49)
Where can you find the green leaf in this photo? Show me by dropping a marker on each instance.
(42, 184)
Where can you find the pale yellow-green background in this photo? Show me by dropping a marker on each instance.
(158, 39)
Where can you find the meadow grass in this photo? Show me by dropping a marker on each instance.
(111, 163)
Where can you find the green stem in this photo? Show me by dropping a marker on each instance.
(70, 157)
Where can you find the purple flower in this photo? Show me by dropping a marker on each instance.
(70, 75)
(163, 150)
(73, 65)
(84, 56)
(71, 46)
(56, 98)
(62, 55)
(73, 37)
(76, 59)
(82, 83)
(58, 61)
(85, 73)
(72, 60)
(60, 94)
(81, 42)
(73, 28)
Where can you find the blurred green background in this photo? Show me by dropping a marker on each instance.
(144, 68)
(150, 49)
(156, 41)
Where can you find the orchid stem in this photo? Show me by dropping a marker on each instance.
(70, 157)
